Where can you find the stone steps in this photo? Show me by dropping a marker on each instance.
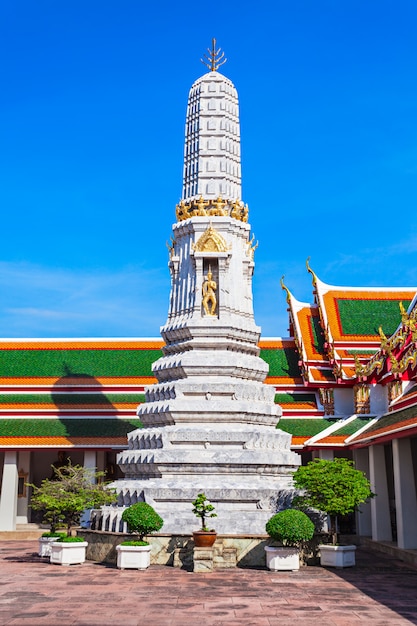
(23, 532)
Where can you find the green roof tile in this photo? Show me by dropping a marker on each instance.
(364, 317)
(59, 399)
(282, 362)
(67, 427)
(396, 417)
(303, 427)
(352, 427)
(79, 363)
(318, 335)
(295, 398)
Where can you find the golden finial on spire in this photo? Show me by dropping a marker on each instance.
(215, 57)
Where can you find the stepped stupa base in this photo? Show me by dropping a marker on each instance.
(240, 509)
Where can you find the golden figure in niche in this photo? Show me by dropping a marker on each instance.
(209, 294)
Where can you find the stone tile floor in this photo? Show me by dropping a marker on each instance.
(378, 591)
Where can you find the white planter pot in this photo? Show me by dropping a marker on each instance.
(282, 559)
(133, 557)
(45, 545)
(68, 553)
(337, 556)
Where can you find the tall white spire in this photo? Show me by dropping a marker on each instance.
(210, 419)
(212, 136)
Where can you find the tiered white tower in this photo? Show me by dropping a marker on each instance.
(210, 421)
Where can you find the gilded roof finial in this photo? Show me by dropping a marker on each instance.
(287, 291)
(311, 272)
(215, 57)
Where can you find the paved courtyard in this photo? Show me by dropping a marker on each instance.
(378, 591)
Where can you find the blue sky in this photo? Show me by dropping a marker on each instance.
(92, 112)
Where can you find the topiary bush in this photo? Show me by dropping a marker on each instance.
(142, 519)
(335, 487)
(290, 527)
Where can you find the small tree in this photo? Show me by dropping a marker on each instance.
(202, 509)
(72, 490)
(334, 487)
(290, 527)
(142, 519)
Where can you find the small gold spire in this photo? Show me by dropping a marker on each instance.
(215, 58)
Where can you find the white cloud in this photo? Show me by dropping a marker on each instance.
(37, 301)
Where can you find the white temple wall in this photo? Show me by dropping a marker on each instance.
(378, 399)
(343, 402)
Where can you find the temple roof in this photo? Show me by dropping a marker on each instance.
(391, 425)
(42, 432)
(342, 327)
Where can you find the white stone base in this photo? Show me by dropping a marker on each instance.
(282, 558)
(133, 557)
(68, 553)
(45, 545)
(337, 556)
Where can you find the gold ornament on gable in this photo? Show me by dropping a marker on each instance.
(211, 241)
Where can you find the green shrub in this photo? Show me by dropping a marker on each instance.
(64, 497)
(290, 527)
(334, 487)
(54, 534)
(66, 539)
(142, 519)
(134, 543)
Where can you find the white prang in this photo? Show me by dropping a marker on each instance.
(212, 140)
(210, 420)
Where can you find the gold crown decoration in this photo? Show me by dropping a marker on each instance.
(219, 207)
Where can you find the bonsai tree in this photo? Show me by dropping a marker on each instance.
(65, 497)
(141, 519)
(46, 499)
(334, 487)
(290, 527)
(203, 509)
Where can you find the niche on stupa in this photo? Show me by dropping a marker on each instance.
(211, 256)
(210, 288)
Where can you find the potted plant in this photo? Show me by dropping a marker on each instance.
(205, 537)
(336, 488)
(141, 520)
(291, 528)
(43, 500)
(63, 498)
(45, 541)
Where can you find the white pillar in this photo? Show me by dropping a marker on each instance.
(90, 460)
(326, 454)
(22, 500)
(363, 514)
(8, 498)
(405, 494)
(380, 513)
